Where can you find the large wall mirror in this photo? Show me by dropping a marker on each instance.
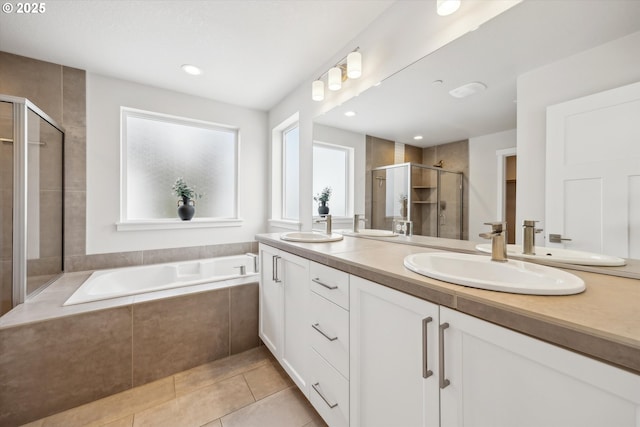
(522, 63)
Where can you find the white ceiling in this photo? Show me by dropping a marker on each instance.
(529, 35)
(253, 52)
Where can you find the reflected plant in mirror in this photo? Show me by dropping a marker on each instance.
(322, 199)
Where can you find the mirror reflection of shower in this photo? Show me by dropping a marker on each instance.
(31, 202)
(429, 197)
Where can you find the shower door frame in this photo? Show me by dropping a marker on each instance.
(21, 107)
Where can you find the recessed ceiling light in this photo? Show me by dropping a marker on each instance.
(191, 69)
(350, 113)
(447, 7)
(417, 137)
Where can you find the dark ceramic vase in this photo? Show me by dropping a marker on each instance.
(186, 209)
(323, 209)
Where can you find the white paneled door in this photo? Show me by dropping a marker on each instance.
(593, 172)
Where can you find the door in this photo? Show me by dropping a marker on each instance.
(295, 309)
(593, 172)
(501, 378)
(271, 299)
(393, 358)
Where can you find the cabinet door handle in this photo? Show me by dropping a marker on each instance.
(317, 389)
(330, 287)
(426, 372)
(316, 326)
(443, 381)
(274, 270)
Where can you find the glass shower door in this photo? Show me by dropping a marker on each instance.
(6, 206)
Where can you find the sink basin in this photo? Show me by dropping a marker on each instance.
(478, 271)
(371, 232)
(567, 256)
(310, 237)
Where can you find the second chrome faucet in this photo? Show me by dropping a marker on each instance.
(498, 236)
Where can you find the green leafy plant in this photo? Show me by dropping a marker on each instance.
(182, 190)
(323, 196)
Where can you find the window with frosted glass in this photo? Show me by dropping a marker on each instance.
(331, 169)
(158, 149)
(291, 173)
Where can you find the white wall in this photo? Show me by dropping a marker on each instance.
(105, 96)
(605, 67)
(404, 33)
(483, 179)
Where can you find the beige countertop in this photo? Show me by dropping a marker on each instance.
(603, 322)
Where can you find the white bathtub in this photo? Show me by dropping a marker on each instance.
(119, 282)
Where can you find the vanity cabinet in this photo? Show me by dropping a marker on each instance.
(330, 343)
(497, 377)
(393, 358)
(284, 307)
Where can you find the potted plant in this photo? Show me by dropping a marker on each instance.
(323, 199)
(187, 196)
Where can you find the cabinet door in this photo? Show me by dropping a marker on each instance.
(393, 346)
(271, 299)
(295, 344)
(502, 378)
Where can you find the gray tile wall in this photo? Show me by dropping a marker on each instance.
(51, 366)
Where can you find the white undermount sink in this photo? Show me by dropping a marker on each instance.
(370, 232)
(478, 271)
(567, 256)
(310, 237)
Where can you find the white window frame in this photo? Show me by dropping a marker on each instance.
(277, 175)
(126, 224)
(349, 175)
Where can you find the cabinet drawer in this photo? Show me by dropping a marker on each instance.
(329, 392)
(330, 283)
(330, 332)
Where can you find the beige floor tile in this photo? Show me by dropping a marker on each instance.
(317, 422)
(213, 402)
(219, 370)
(214, 423)
(115, 407)
(37, 423)
(266, 380)
(287, 408)
(164, 415)
(122, 422)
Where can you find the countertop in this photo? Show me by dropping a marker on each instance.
(603, 322)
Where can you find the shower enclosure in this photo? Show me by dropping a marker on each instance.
(429, 197)
(31, 202)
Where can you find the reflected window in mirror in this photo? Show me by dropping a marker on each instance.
(158, 149)
(333, 168)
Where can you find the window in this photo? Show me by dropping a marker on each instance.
(332, 167)
(157, 149)
(291, 173)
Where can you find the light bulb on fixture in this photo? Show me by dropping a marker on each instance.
(447, 7)
(354, 65)
(317, 90)
(335, 78)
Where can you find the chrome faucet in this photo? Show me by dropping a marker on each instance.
(327, 221)
(529, 231)
(356, 222)
(256, 267)
(498, 238)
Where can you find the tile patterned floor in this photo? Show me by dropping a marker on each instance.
(249, 389)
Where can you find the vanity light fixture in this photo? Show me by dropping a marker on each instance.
(447, 7)
(191, 69)
(349, 67)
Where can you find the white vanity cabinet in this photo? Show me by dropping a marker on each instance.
(329, 337)
(284, 308)
(502, 378)
(394, 358)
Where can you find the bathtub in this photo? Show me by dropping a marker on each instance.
(120, 282)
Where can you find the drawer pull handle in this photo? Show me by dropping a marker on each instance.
(316, 326)
(443, 381)
(426, 372)
(317, 280)
(317, 389)
(275, 274)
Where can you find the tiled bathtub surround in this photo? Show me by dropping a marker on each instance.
(53, 365)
